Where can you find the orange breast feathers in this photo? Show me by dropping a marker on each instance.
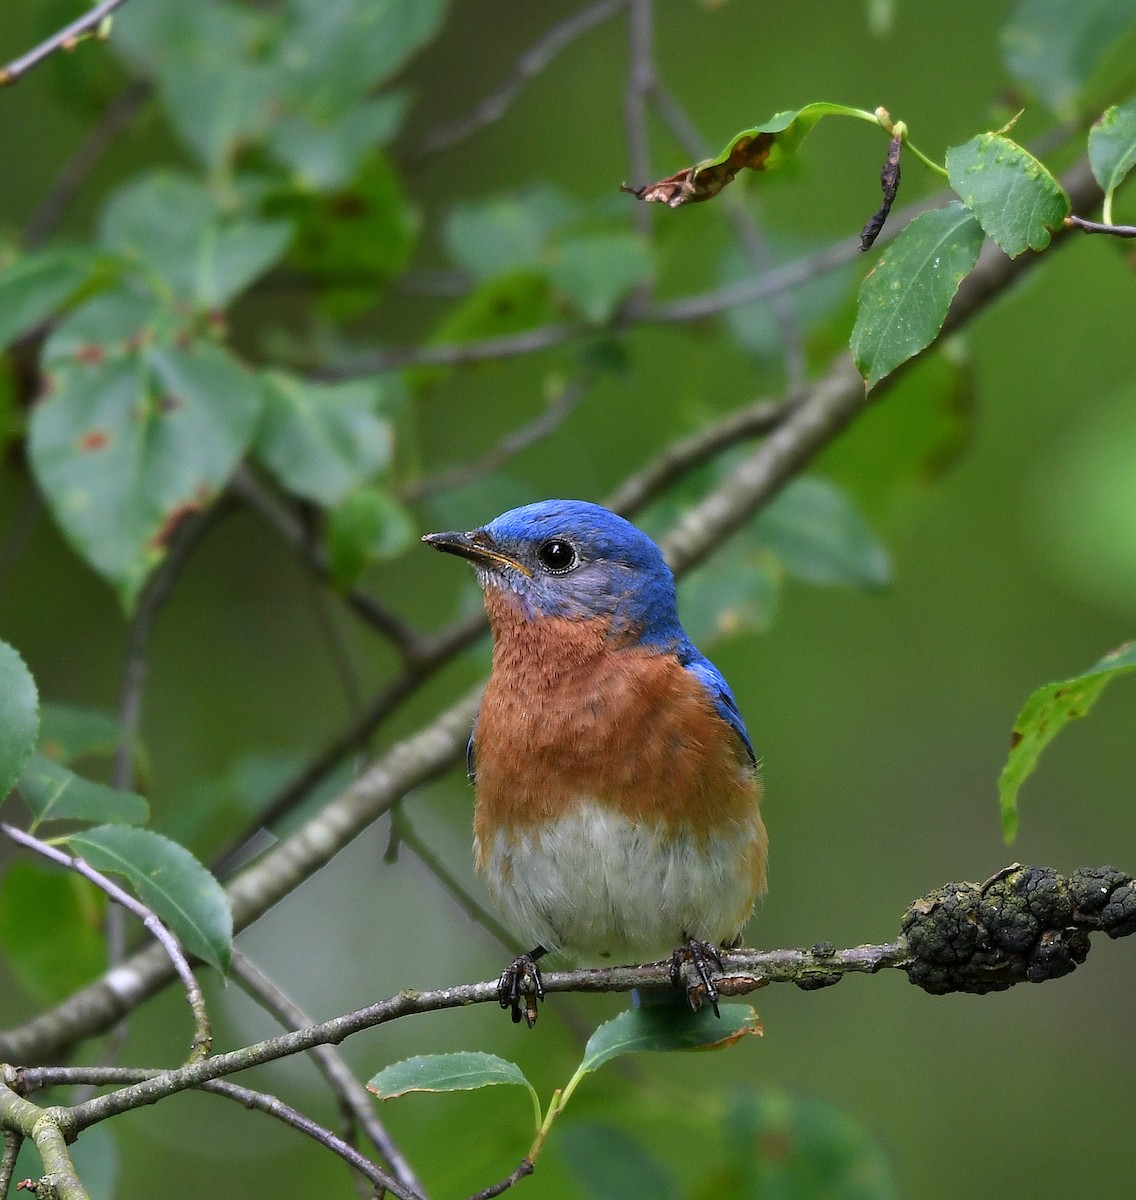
(571, 715)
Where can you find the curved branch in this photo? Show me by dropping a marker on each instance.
(202, 1033)
(64, 39)
(351, 1093)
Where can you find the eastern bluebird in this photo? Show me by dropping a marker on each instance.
(618, 797)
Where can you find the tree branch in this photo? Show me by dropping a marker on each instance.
(352, 1095)
(530, 64)
(41, 1125)
(31, 1080)
(64, 39)
(202, 1034)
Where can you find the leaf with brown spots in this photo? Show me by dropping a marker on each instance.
(763, 148)
(1044, 715)
(132, 440)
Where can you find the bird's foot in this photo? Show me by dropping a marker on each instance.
(700, 957)
(520, 987)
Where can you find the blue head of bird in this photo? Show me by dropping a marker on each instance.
(569, 558)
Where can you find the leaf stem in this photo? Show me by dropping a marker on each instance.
(899, 129)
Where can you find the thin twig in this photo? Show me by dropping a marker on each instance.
(33, 1079)
(523, 1170)
(694, 307)
(185, 539)
(1120, 231)
(19, 530)
(640, 76)
(541, 426)
(117, 115)
(248, 488)
(64, 39)
(747, 231)
(403, 832)
(530, 64)
(332, 1065)
(202, 1033)
(683, 456)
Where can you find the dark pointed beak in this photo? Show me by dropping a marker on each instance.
(476, 545)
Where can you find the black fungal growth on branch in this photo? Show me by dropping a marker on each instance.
(1024, 925)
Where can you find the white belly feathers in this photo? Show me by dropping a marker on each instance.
(594, 881)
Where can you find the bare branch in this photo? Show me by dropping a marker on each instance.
(351, 1093)
(746, 230)
(64, 39)
(405, 638)
(202, 1034)
(404, 833)
(524, 1169)
(112, 121)
(41, 1126)
(1120, 231)
(640, 76)
(541, 426)
(530, 64)
(36, 1078)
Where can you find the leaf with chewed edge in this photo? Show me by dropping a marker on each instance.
(1044, 715)
(762, 148)
(668, 1027)
(461, 1071)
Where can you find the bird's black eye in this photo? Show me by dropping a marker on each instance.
(558, 556)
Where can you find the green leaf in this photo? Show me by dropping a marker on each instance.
(169, 881)
(776, 1144)
(820, 538)
(51, 930)
(355, 238)
(138, 431)
(461, 1071)
(55, 793)
(1016, 200)
(322, 440)
(904, 300)
(1112, 149)
(762, 148)
(597, 271)
(506, 233)
(738, 589)
(68, 733)
(755, 325)
(368, 526)
(351, 46)
(327, 152)
(35, 286)
(1055, 46)
(19, 716)
(1043, 717)
(611, 1166)
(169, 225)
(892, 456)
(668, 1027)
(209, 63)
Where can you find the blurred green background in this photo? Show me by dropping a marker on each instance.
(882, 717)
